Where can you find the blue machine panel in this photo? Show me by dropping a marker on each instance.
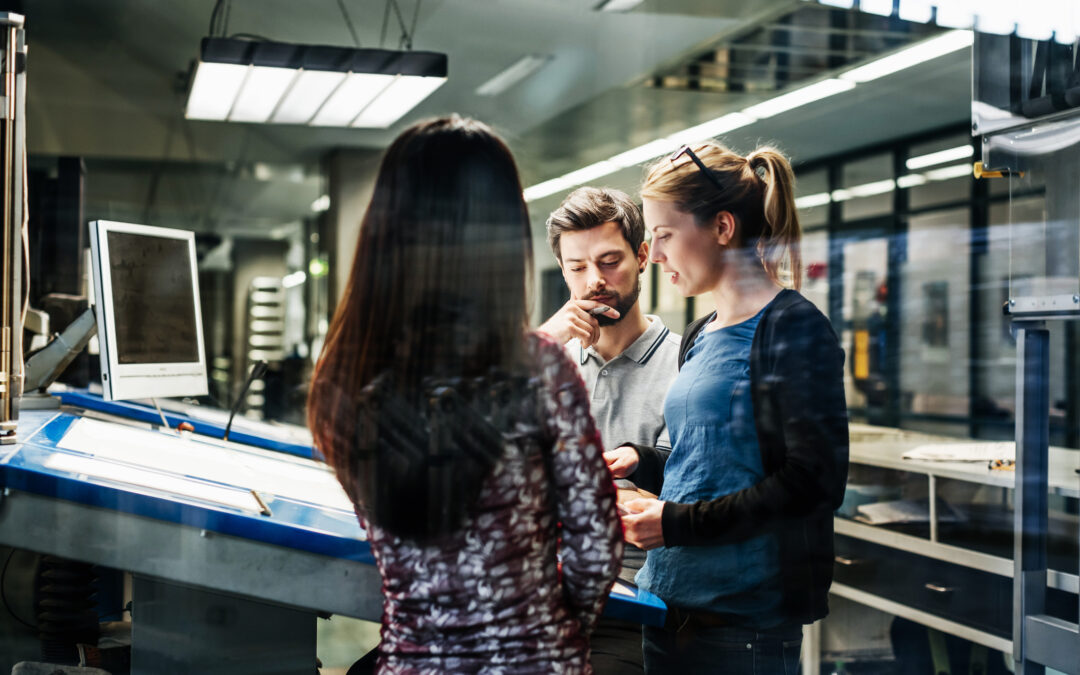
(32, 466)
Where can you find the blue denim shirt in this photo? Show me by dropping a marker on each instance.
(709, 415)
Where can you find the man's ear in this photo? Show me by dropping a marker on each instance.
(643, 256)
(724, 225)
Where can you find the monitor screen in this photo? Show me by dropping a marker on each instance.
(151, 276)
(149, 319)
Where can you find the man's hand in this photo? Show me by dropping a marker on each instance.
(622, 461)
(574, 320)
(643, 522)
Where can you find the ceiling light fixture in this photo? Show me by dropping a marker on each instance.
(948, 43)
(281, 83)
(949, 172)
(811, 201)
(618, 5)
(798, 98)
(518, 71)
(940, 157)
(712, 128)
(566, 181)
(923, 51)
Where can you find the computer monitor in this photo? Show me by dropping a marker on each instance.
(146, 290)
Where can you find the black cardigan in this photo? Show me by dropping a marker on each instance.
(797, 384)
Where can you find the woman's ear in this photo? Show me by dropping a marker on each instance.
(724, 226)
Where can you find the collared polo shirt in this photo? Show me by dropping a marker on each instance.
(626, 395)
(627, 392)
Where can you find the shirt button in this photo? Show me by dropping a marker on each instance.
(603, 372)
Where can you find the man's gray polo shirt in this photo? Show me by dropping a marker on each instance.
(627, 399)
(627, 393)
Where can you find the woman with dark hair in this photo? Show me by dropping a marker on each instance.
(464, 441)
(740, 540)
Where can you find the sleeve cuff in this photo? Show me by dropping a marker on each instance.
(677, 524)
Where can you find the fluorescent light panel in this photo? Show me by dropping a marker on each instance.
(810, 201)
(263, 81)
(949, 172)
(644, 153)
(261, 91)
(879, 187)
(518, 71)
(214, 90)
(711, 129)
(618, 5)
(911, 56)
(940, 157)
(306, 96)
(401, 96)
(910, 181)
(797, 98)
(354, 94)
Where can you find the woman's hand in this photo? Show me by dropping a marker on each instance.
(642, 522)
(622, 461)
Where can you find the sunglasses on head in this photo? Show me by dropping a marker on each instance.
(685, 150)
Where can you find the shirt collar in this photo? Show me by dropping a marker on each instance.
(640, 348)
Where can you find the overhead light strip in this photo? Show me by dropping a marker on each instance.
(524, 67)
(939, 46)
(281, 83)
(940, 157)
(618, 5)
(880, 187)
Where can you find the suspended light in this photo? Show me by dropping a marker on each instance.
(254, 81)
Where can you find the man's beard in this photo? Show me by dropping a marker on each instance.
(621, 304)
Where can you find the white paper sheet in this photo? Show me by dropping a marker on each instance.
(963, 452)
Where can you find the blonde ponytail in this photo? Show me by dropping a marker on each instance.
(759, 190)
(782, 233)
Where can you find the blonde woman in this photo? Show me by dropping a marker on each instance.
(740, 539)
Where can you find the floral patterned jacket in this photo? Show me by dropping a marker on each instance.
(493, 598)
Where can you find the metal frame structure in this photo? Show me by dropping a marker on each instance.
(1010, 77)
(12, 220)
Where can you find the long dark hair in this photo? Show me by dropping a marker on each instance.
(435, 303)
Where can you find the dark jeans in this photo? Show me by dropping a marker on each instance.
(616, 648)
(731, 650)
